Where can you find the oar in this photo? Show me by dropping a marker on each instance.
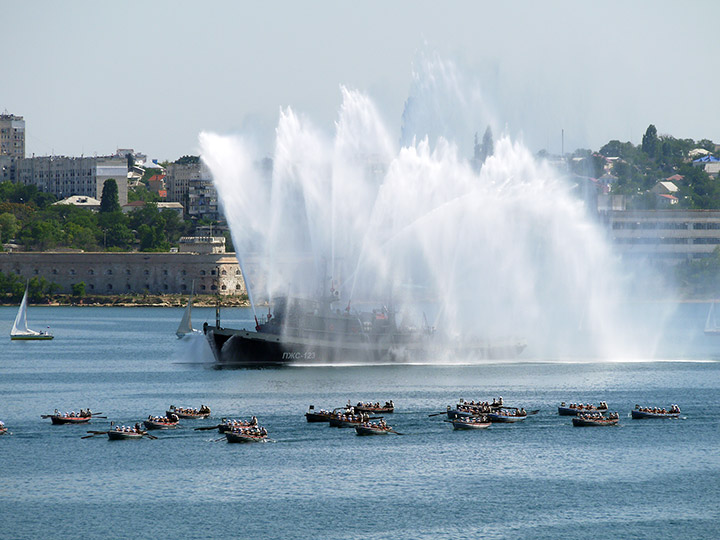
(395, 432)
(220, 439)
(149, 436)
(437, 413)
(533, 412)
(93, 433)
(207, 428)
(96, 416)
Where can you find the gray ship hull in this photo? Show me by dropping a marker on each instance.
(244, 348)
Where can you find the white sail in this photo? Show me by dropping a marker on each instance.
(20, 328)
(185, 326)
(711, 325)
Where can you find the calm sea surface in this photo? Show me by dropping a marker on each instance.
(540, 479)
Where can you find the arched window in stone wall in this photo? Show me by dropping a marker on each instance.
(72, 272)
(224, 273)
(108, 272)
(183, 287)
(109, 286)
(91, 272)
(92, 287)
(35, 271)
(203, 287)
(238, 287)
(128, 287)
(213, 287)
(165, 287)
(202, 272)
(237, 271)
(147, 272)
(165, 273)
(54, 271)
(127, 271)
(223, 287)
(184, 272)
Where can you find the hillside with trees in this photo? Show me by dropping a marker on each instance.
(30, 218)
(635, 170)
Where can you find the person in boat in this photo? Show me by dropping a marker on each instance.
(137, 427)
(253, 421)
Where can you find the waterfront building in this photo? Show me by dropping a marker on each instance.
(130, 273)
(65, 176)
(670, 236)
(12, 135)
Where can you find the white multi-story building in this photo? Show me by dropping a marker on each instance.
(12, 135)
(665, 235)
(65, 176)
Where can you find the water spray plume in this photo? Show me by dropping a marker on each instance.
(506, 251)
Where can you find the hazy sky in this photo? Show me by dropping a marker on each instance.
(92, 76)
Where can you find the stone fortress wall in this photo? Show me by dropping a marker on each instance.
(131, 273)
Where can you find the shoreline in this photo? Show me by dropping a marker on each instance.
(149, 300)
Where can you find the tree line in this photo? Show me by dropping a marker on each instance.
(638, 168)
(30, 218)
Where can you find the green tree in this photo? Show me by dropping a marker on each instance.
(78, 289)
(8, 226)
(109, 201)
(650, 141)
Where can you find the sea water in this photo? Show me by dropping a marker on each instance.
(541, 478)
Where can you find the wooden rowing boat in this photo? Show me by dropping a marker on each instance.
(639, 415)
(388, 408)
(59, 419)
(230, 425)
(497, 417)
(372, 429)
(158, 424)
(244, 436)
(188, 414)
(117, 435)
(573, 411)
(579, 421)
(470, 423)
(321, 415)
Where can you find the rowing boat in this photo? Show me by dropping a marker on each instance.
(188, 414)
(117, 435)
(159, 424)
(470, 423)
(388, 408)
(579, 421)
(638, 415)
(58, 419)
(322, 415)
(571, 410)
(245, 436)
(373, 429)
(498, 417)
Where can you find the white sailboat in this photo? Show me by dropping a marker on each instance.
(20, 328)
(711, 324)
(185, 328)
